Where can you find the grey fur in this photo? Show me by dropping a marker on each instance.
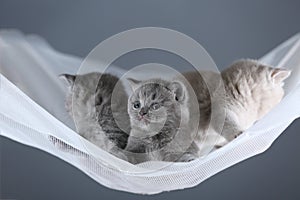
(208, 89)
(167, 133)
(159, 134)
(99, 119)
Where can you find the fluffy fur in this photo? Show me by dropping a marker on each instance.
(160, 115)
(97, 117)
(251, 90)
(208, 89)
(157, 129)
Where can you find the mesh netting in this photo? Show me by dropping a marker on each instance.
(34, 115)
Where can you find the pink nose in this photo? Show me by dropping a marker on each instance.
(143, 111)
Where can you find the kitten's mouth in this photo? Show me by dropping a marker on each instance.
(143, 119)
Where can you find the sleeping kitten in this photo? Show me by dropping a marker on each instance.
(89, 102)
(158, 117)
(251, 91)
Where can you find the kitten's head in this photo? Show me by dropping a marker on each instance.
(88, 91)
(153, 103)
(255, 85)
(90, 96)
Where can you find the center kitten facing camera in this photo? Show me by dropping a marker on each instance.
(158, 116)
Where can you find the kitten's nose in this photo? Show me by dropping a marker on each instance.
(143, 111)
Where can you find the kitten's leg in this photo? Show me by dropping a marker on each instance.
(119, 153)
(231, 128)
(189, 155)
(135, 151)
(230, 133)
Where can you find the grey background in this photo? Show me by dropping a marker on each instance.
(227, 29)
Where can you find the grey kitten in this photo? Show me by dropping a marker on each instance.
(157, 128)
(208, 88)
(99, 119)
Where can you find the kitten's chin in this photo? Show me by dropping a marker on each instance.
(148, 126)
(140, 124)
(144, 124)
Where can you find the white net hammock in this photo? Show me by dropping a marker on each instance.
(32, 109)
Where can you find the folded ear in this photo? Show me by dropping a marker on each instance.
(179, 91)
(134, 84)
(68, 79)
(279, 75)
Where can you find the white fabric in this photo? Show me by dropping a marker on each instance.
(29, 116)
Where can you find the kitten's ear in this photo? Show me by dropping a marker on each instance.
(279, 75)
(68, 79)
(134, 84)
(178, 90)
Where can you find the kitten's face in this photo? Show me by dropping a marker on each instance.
(88, 92)
(150, 104)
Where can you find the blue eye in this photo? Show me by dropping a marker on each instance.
(136, 105)
(155, 106)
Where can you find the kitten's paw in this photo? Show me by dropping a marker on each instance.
(122, 156)
(220, 144)
(187, 157)
(237, 134)
(119, 154)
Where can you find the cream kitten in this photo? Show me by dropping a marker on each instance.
(251, 91)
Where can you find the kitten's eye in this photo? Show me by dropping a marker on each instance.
(155, 106)
(136, 105)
